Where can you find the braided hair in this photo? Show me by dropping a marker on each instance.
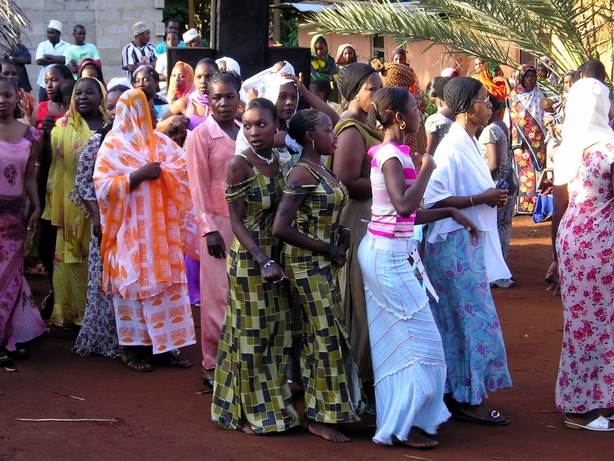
(18, 112)
(460, 92)
(301, 122)
(430, 88)
(385, 104)
(226, 76)
(439, 86)
(262, 103)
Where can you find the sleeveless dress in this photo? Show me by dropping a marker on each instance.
(250, 377)
(333, 391)
(355, 216)
(584, 248)
(20, 320)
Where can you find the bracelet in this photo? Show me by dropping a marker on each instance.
(471, 200)
(268, 263)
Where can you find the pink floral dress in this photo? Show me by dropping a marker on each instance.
(585, 245)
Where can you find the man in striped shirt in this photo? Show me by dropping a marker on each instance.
(139, 51)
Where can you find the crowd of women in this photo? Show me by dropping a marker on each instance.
(302, 233)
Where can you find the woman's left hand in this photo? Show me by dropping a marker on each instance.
(298, 81)
(552, 278)
(344, 239)
(215, 245)
(465, 222)
(33, 221)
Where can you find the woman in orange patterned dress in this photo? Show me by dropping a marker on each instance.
(143, 193)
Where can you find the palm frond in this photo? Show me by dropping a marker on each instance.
(12, 21)
(568, 31)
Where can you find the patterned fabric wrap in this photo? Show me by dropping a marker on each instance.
(98, 333)
(528, 135)
(333, 391)
(250, 377)
(584, 248)
(146, 225)
(20, 320)
(467, 318)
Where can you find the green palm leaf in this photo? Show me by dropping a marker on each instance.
(566, 30)
(12, 20)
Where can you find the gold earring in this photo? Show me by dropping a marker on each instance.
(402, 125)
(466, 118)
(357, 98)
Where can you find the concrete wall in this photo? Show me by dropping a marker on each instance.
(108, 24)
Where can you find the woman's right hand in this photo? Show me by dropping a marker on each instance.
(150, 171)
(494, 197)
(336, 254)
(179, 120)
(427, 161)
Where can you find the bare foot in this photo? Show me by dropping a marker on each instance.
(417, 439)
(246, 428)
(326, 431)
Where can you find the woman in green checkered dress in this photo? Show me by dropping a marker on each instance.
(307, 220)
(251, 392)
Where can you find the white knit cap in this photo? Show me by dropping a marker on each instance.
(190, 35)
(57, 25)
(139, 28)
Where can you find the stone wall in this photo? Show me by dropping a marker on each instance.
(108, 24)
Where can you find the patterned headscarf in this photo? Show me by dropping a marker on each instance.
(187, 86)
(400, 75)
(70, 134)
(340, 50)
(497, 89)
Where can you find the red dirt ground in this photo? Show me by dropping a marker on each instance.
(159, 416)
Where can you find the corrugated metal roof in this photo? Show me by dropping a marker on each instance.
(314, 7)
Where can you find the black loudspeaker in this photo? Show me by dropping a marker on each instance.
(299, 57)
(190, 56)
(240, 30)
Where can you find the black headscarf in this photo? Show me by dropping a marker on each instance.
(460, 92)
(352, 77)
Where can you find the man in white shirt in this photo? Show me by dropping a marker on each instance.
(48, 53)
(139, 51)
(80, 50)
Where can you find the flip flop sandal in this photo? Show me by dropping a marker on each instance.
(5, 358)
(178, 360)
(21, 353)
(494, 418)
(208, 382)
(599, 424)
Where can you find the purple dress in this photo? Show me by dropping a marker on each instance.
(20, 320)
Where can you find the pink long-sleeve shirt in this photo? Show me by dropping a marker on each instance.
(208, 153)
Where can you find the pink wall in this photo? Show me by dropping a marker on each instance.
(426, 64)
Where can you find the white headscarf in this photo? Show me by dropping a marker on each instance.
(229, 63)
(586, 123)
(257, 81)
